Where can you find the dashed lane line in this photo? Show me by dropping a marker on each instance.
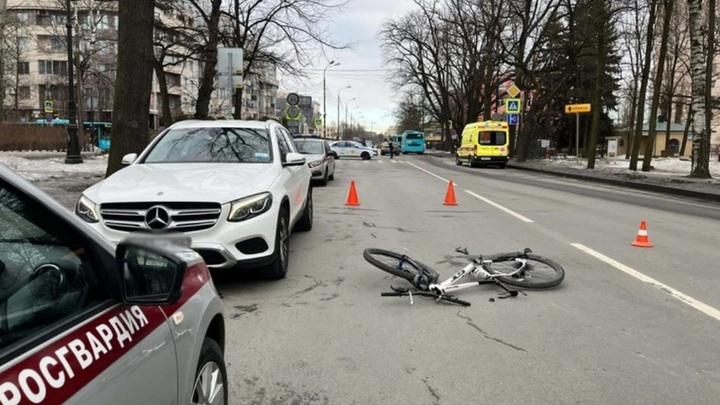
(684, 298)
(500, 207)
(430, 173)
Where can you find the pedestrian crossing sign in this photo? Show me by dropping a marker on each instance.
(512, 105)
(48, 106)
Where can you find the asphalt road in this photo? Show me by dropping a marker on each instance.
(627, 326)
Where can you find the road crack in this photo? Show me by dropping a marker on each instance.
(488, 336)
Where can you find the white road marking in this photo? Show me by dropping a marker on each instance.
(700, 306)
(379, 161)
(431, 173)
(500, 207)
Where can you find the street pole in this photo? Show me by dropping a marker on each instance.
(346, 115)
(577, 140)
(73, 146)
(332, 63)
(337, 135)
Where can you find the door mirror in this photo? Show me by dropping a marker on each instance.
(150, 273)
(294, 159)
(129, 158)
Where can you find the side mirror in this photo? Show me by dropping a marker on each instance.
(294, 159)
(129, 158)
(335, 155)
(151, 272)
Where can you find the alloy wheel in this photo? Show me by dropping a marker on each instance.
(209, 388)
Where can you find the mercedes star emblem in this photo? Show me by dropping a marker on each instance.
(157, 217)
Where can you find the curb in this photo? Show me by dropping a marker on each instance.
(714, 197)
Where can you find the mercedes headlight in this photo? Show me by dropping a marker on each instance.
(315, 163)
(87, 210)
(249, 207)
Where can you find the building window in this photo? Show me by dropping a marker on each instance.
(57, 19)
(23, 44)
(57, 44)
(23, 68)
(103, 23)
(22, 16)
(52, 67)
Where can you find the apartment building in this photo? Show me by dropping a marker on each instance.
(36, 65)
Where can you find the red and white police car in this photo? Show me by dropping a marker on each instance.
(83, 321)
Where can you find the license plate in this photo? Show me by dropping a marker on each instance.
(484, 158)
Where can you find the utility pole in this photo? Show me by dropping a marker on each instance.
(331, 64)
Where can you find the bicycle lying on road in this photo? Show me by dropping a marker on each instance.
(521, 269)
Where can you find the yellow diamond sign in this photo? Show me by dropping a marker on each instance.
(513, 91)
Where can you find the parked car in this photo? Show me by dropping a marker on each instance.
(83, 321)
(236, 187)
(319, 155)
(353, 149)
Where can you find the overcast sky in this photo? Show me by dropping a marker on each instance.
(360, 67)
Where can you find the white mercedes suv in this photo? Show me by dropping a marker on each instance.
(237, 188)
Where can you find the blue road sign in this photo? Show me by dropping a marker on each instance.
(513, 119)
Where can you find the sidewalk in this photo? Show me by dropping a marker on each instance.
(669, 177)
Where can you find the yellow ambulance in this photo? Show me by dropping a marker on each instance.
(484, 143)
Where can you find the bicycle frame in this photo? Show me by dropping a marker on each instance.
(475, 268)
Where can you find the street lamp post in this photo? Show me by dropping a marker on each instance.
(337, 136)
(73, 145)
(331, 64)
(346, 114)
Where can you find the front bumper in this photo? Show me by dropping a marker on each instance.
(226, 244)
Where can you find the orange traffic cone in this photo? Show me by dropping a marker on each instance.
(450, 195)
(642, 237)
(352, 196)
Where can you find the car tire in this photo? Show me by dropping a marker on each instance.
(211, 362)
(457, 160)
(365, 156)
(324, 180)
(306, 221)
(332, 176)
(280, 257)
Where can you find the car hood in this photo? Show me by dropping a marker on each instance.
(208, 182)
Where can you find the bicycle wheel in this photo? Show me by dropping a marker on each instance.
(399, 265)
(539, 272)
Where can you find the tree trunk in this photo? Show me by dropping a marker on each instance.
(3, 91)
(688, 123)
(650, 144)
(166, 114)
(202, 107)
(599, 79)
(643, 86)
(238, 96)
(698, 68)
(133, 84)
(704, 151)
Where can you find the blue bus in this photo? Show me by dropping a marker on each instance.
(413, 142)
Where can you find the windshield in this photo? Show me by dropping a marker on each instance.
(212, 145)
(310, 147)
(416, 135)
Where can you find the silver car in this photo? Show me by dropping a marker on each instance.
(83, 321)
(320, 158)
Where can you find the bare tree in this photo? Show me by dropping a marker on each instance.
(278, 33)
(699, 45)
(637, 136)
(134, 80)
(665, 33)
